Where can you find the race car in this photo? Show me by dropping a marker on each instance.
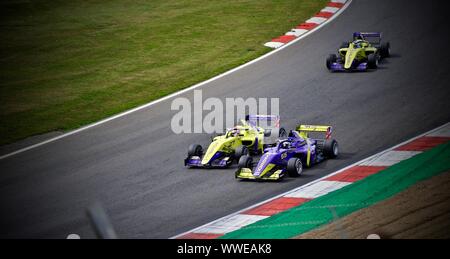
(250, 137)
(363, 53)
(290, 155)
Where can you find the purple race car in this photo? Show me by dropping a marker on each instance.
(289, 155)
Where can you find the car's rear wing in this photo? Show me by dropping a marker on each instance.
(373, 37)
(305, 129)
(270, 124)
(264, 121)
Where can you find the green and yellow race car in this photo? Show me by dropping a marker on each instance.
(251, 136)
(364, 52)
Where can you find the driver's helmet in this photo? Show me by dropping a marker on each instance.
(358, 43)
(286, 145)
(234, 132)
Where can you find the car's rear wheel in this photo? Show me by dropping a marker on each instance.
(245, 162)
(294, 167)
(241, 151)
(195, 150)
(331, 148)
(330, 60)
(372, 61)
(385, 49)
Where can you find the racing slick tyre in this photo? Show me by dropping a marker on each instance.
(372, 61)
(241, 151)
(195, 150)
(294, 167)
(385, 50)
(245, 162)
(330, 60)
(331, 148)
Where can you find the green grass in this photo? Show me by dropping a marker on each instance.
(64, 64)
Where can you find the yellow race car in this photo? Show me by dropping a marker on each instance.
(251, 136)
(364, 52)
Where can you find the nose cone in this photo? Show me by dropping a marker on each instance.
(209, 155)
(264, 164)
(348, 59)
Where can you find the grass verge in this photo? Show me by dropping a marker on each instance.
(66, 64)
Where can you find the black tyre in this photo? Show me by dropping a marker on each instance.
(195, 150)
(241, 151)
(331, 148)
(344, 45)
(282, 133)
(385, 50)
(372, 61)
(245, 162)
(294, 167)
(330, 60)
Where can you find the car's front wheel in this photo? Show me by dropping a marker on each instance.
(331, 148)
(241, 151)
(195, 150)
(245, 162)
(372, 61)
(330, 60)
(294, 167)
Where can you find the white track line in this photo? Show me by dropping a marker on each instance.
(313, 182)
(176, 93)
(316, 190)
(233, 223)
(330, 9)
(295, 32)
(316, 20)
(390, 158)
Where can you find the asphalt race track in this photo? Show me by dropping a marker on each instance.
(134, 165)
